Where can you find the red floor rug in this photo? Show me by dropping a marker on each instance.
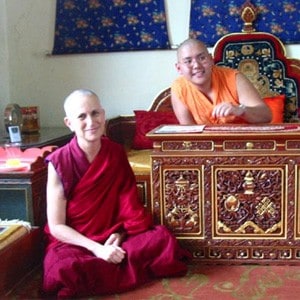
(246, 282)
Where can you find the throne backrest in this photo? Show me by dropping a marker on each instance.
(262, 58)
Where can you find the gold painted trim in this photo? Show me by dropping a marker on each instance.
(290, 148)
(187, 145)
(249, 145)
(297, 203)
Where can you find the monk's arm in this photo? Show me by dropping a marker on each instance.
(56, 215)
(181, 111)
(252, 108)
(255, 109)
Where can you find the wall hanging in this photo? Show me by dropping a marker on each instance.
(88, 26)
(210, 20)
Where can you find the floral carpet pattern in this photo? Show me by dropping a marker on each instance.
(247, 282)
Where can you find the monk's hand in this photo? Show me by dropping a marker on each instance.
(227, 109)
(110, 253)
(115, 239)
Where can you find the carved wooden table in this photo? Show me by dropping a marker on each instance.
(230, 195)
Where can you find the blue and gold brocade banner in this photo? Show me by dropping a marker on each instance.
(210, 20)
(89, 26)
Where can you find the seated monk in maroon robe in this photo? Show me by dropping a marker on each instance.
(100, 238)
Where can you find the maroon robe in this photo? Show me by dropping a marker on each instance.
(102, 199)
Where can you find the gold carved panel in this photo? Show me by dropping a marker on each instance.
(292, 145)
(181, 205)
(187, 146)
(249, 202)
(297, 203)
(249, 145)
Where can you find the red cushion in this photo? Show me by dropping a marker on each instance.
(276, 104)
(146, 121)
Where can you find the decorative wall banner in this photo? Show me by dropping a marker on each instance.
(88, 26)
(210, 20)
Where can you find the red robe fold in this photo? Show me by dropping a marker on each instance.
(102, 199)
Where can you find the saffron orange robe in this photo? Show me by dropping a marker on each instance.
(102, 199)
(224, 90)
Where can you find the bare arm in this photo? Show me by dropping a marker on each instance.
(181, 111)
(254, 109)
(56, 215)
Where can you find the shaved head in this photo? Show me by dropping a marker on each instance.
(188, 43)
(75, 95)
(84, 115)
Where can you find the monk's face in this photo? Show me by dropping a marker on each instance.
(86, 117)
(194, 63)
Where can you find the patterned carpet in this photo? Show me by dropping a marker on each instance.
(248, 282)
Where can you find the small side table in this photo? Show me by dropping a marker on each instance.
(23, 193)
